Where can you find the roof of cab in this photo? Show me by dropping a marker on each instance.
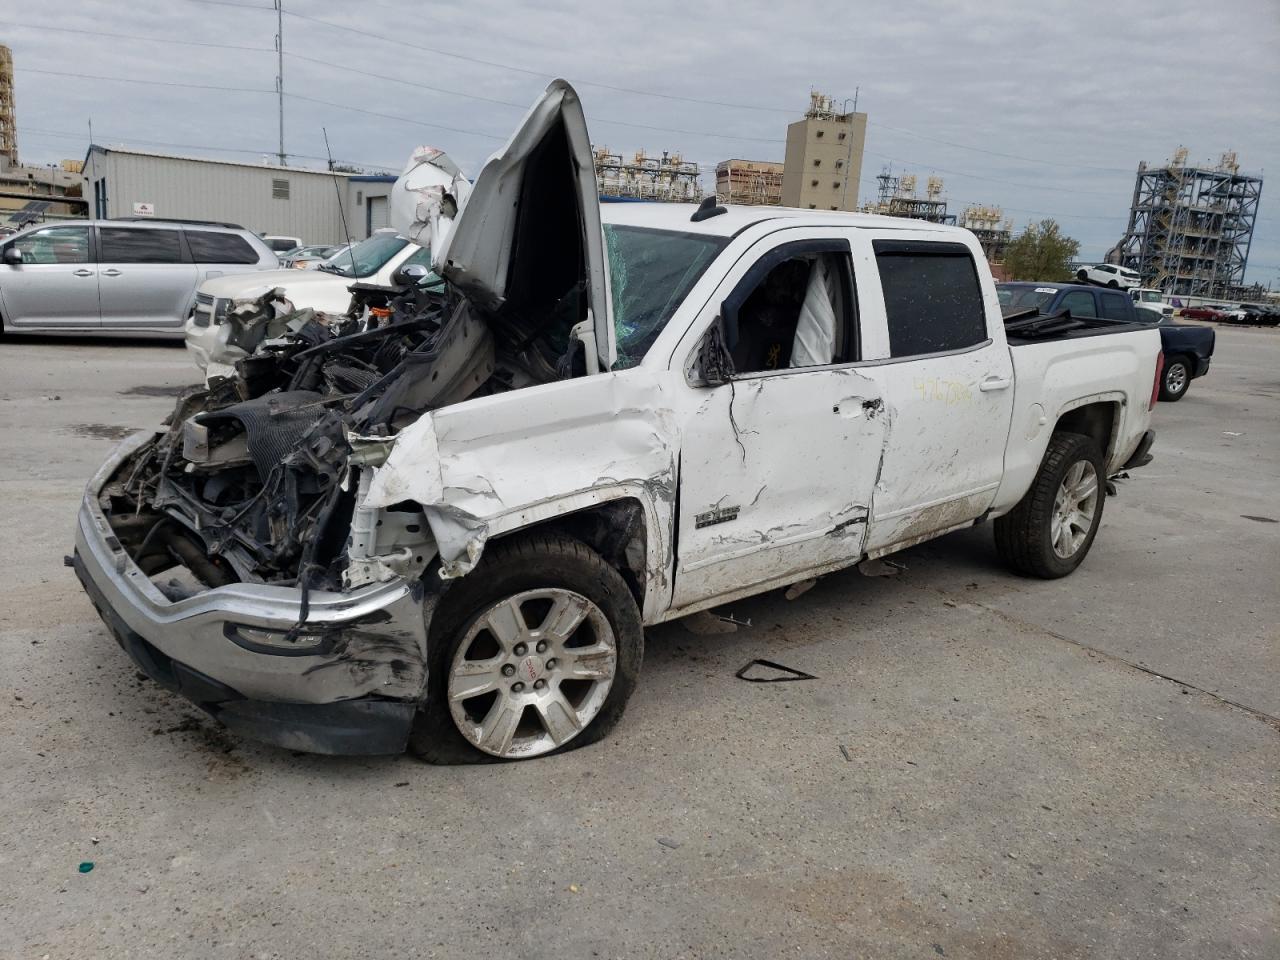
(735, 219)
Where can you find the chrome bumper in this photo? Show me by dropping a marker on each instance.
(368, 666)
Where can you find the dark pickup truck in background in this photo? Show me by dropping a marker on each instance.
(1187, 349)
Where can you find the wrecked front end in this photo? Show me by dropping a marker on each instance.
(232, 554)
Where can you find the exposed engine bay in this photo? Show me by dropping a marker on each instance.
(259, 474)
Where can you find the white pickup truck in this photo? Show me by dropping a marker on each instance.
(613, 417)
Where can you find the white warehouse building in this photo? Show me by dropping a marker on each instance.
(269, 200)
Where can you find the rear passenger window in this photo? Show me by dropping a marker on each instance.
(209, 247)
(124, 245)
(1115, 306)
(1080, 303)
(931, 297)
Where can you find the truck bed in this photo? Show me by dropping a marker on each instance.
(1031, 326)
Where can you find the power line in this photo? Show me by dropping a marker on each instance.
(107, 138)
(146, 83)
(41, 27)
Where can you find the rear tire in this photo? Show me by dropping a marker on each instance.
(531, 701)
(1113, 284)
(1049, 533)
(1082, 275)
(1176, 379)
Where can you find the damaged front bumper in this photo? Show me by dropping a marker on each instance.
(347, 681)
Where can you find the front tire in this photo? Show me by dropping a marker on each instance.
(1176, 379)
(1049, 533)
(534, 652)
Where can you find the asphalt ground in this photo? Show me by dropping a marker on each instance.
(984, 766)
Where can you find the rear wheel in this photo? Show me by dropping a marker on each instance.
(1113, 284)
(535, 651)
(1049, 533)
(1175, 380)
(1082, 275)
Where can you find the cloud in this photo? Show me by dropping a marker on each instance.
(1082, 90)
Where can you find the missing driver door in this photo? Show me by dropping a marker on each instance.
(778, 465)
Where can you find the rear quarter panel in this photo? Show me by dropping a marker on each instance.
(1053, 378)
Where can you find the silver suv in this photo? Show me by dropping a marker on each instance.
(118, 276)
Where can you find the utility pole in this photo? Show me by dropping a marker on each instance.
(280, 70)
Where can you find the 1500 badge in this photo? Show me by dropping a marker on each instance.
(719, 515)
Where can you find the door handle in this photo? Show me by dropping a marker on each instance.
(82, 273)
(995, 383)
(111, 272)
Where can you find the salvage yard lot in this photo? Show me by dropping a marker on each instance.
(1087, 767)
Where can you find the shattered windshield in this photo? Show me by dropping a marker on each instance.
(651, 272)
(366, 257)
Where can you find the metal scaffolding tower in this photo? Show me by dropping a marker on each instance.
(896, 197)
(8, 125)
(670, 177)
(1190, 228)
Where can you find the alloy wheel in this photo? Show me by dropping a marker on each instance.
(531, 672)
(1074, 508)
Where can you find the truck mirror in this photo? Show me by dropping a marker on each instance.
(714, 363)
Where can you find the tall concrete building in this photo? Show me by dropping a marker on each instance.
(824, 157)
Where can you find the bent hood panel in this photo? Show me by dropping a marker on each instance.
(476, 254)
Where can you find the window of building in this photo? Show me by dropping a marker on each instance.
(279, 189)
(129, 245)
(818, 134)
(817, 163)
(209, 247)
(835, 185)
(359, 198)
(813, 206)
(842, 135)
(813, 183)
(839, 164)
(55, 245)
(834, 207)
(931, 296)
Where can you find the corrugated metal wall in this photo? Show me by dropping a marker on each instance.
(208, 190)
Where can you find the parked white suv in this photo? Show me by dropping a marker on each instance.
(326, 289)
(119, 276)
(1109, 275)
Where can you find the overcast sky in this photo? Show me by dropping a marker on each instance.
(1045, 108)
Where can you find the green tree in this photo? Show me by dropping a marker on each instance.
(1041, 252)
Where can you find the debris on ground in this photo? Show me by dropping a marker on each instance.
(879, 567)
(801, 588)
(785, 673)
(86, 866)
(669, 843)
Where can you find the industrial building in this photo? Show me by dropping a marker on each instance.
(824, 157)
(990, 227)
(8, 118)
(1190, 227)
(896, 197)
(668, 178)
(754, 182)
(274, 200)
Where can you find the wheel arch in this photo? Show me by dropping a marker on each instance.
(621, 523)
(1093, 417)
